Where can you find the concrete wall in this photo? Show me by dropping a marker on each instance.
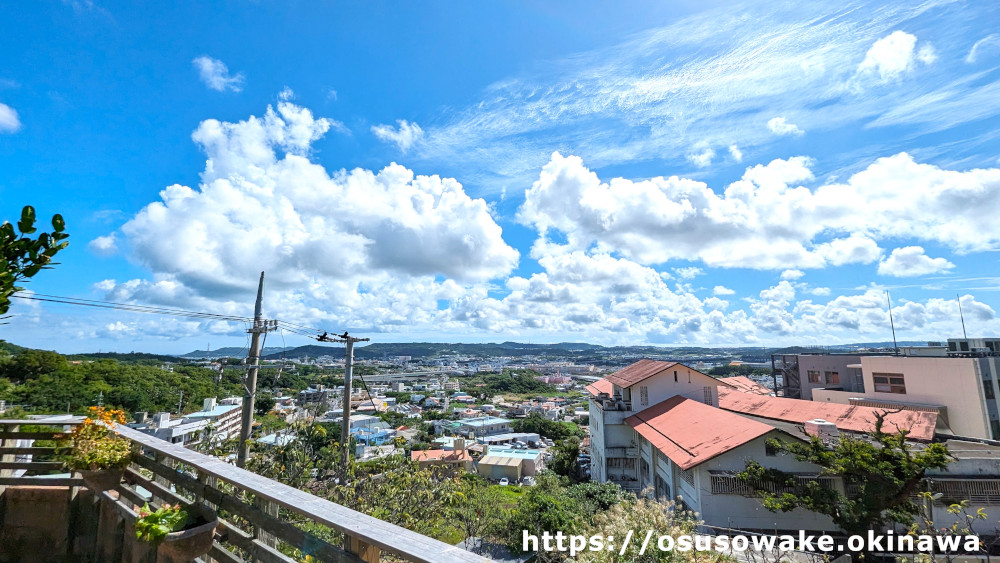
(747, 512)
(830, 396)
(952, 382)
(690, 384)
(823, 364)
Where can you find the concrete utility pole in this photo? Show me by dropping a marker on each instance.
(345, 426)
(260, 326)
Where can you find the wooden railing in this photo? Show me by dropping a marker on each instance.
(256, 513)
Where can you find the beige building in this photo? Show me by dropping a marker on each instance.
(961, 390)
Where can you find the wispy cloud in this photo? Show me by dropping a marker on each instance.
(675, 87)
(990, 43)
(405, 135)
(215, 74)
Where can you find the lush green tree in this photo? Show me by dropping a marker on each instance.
(515, 381)
(30, 364)
(566, 458)
(542, 426)
(264, 403)
(22, 256)
(881, 467)
(597, 497)
(481, 512)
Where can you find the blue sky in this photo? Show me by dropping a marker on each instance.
(677, 173)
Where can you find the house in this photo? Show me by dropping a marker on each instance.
(499, 467)
(531, 461)
(453, 461)
(626, 392)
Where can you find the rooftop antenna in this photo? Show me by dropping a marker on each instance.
(892, 324)
(962, 316)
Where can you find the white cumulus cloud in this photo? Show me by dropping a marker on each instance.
(9, 120)
(215, 74)
(405, 135)
(722, 290)
(911, 261)
(374, 248)
(792, 274)
(104, 246)
(781, 126)
(895, 55)
(736, 153)
(767, 219)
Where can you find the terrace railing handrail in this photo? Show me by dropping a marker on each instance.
(356, 526)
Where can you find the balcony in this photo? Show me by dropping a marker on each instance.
(53, 519)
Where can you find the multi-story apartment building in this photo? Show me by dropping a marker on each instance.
(214, 421)
(959, 382)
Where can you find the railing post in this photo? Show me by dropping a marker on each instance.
(365, 551)
(166, 462)
(271, 509)
(7, 457)
(213, 483)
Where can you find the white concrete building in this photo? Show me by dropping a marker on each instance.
(668, 428)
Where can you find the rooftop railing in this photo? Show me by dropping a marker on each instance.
(256, 514)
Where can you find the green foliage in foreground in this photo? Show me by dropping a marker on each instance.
(153, 526)
(23, 256)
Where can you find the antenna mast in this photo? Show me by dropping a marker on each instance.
(892, 324)
(962, 316)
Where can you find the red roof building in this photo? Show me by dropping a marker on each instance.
(690, 432)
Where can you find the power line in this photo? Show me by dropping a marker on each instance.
(130, 307)
(294, 328)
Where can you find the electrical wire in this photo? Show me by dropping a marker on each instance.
(129, 307)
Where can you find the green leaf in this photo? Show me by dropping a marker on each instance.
(58, 224)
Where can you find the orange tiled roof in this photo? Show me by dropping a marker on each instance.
(691, 433)
(747, 385)
(600, 386)
(634, 373)
(849, 418)
(639, 371)
(439, 455)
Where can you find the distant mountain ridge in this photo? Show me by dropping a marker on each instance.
(569, 350)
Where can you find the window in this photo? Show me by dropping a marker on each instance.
(813, 376)
(643, 395)
(675, 376)
(832, 377)
(708, 396)
(988, 389)
(770, 450)
(889, 383)
(688, 477)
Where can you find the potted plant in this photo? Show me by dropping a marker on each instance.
(179, 533)
(97, 452)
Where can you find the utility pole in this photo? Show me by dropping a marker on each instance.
(260, 326)
(180, 404)
(345, 426)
